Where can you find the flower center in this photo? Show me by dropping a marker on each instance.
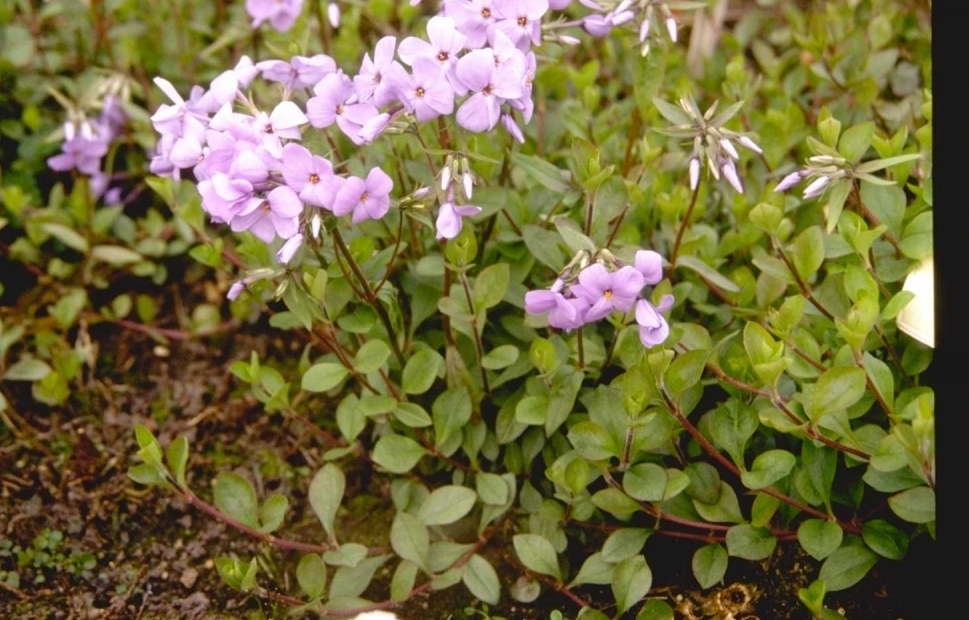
(419, 91)
(522, 21)
(442, 56)
(607, 294)
(314, 178)
(486, 13)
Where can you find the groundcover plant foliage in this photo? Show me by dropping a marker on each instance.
(566, 275)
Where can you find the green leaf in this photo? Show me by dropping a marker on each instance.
(710, 564)
(594, 571)
(749, 542)
(573, 237)
(543, 244)
(27, 369)
(855, 141)
(708, 273)
(116, 255)
(846, 567)
(768, 468)
(819, 537)
(273, 512)
(685, 371)
(624, 543)
(500, 357)
(370, 357)
(836, 195)
(176, 455)
(655, 609)
(397, 454)
(402, 583)
(325, 495)
(412, 415)
(537, 554)
(646, 482)
(672, 113)
(836, 389)
(450, 413)
(807, 252)
(631, 581)
(235, 497)
(725, 510)
(67, 235)
(348, 554)
(481, 579)
(311, 575)
(354, 581)
(886, 203)
(545, 173)
(590, 440)
(410, 539)
(446, 504)
(323, 376)
(879, 164)
(615, 502)
(490, 286)
(420, 371)
(885, 539)
(915, 505)
(492, 489)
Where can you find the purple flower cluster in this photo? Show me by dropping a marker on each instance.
(281, 14)
(86, 142)
(253, 172)
(598, 290)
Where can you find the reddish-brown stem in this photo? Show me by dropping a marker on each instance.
(683, 225)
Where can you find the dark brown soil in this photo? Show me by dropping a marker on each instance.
(131, 552)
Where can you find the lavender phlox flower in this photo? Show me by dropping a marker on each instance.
(311, 176)
(422, 92)
(653, 328)
(508, 122)
(558, 5)
(366, 198)
(472, 18)
(450, 219)
(170, 118)
(275, 214)
(446, 42)
(189, 150)
(490, 86)
(369, 83)
(81, 152)
(520, 21)
(224, 197)
(332, 104)
(563, 312)
(299, 72)
(281, 14)
(606, 290)
(289, 249)
(650, 265)
(374, 127)
(236, 289)
(282, 123)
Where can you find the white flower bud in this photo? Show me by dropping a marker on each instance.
(730, 173)
(789, 181)
(644, 30)
(316, 224)
(286, 253)
(446, 177)
(333, 14)
(694, 173)
(671, 28)
(815, 187)
(750, 144)
(727, 146)
(621, 17)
